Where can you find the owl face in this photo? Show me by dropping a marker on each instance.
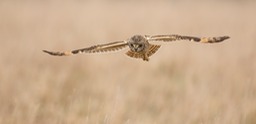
(137, 43)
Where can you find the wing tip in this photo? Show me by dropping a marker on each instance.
(57, 53)
(46, 51)
(222, 38)
(213, 39)
(225, 37)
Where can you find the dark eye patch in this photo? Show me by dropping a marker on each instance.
(140, 45)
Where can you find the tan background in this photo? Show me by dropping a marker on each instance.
(183, 83)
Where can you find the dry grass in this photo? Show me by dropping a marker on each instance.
(184, 83)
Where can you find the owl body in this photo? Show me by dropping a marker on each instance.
(141, 46)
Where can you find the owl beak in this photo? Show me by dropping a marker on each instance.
(136, 47)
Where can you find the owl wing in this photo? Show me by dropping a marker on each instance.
(113, 46)
(168, 38)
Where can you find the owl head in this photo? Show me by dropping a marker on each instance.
(137, 43)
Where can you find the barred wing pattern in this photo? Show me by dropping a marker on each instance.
(168, 38)
(113, 46)
(140, 45)
(152, 50)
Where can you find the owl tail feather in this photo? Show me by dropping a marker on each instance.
(152, 49)
(145, 57)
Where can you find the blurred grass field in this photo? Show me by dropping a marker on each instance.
(183, 83)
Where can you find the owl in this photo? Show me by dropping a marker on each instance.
(140, 46)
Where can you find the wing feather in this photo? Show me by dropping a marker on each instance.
(168, 38)
(152, 49)
(113, 46)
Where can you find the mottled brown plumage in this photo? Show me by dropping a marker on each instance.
(140, 45)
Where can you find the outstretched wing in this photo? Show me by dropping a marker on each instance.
(168, 38)
(114, 46)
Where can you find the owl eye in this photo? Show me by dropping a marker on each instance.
(132, 45)
(140, 45)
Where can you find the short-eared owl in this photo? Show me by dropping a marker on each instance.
(140, 45)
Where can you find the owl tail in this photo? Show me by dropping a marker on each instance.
(151, 51)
